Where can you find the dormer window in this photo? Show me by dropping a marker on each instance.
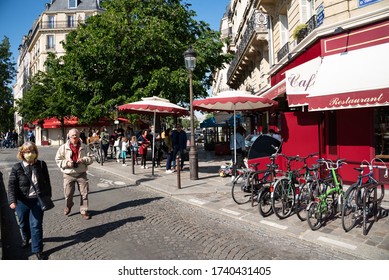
(72, 4)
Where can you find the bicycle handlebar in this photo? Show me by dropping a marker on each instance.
(370, 165)
(332, 165)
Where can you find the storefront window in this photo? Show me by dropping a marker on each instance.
(381, 128)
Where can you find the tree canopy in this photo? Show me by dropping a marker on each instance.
(132, 50)
(7, 73)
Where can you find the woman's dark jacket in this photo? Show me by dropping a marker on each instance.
(19, 184)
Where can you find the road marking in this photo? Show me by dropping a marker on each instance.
(274, 225)
(90, 174)
(196, 201)
(119, 183)
(229, 211)
(338, 243)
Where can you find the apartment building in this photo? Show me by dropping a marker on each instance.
(324, 62)
(58, 18)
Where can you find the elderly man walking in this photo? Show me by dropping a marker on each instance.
(73, 159)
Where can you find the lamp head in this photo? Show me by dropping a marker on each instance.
(190, 59)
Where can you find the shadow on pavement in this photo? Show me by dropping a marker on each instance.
(88, 234)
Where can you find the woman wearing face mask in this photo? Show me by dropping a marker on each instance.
(22, 196)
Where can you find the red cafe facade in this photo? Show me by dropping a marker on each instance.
(334, 98)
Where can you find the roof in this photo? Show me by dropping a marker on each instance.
(63, 5)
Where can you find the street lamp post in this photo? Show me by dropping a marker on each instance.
(190, 64)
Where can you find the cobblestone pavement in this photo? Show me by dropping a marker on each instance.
(145, 216)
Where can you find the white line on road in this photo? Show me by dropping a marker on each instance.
(273, 225)
(196, 201)
(337, 243)
(230, 211)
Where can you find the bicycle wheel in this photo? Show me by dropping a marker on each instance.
(255, 186)
(241, 191)
(314, 216)
(264, 202)
(303, 199)
(283, 198)
(350, 209)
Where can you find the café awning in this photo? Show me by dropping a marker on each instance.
(275, 90)
(300, 80)
(353, 79)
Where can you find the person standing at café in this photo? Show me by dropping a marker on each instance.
(240, 148)
(73, 159)
(179, 140)
(144, 143)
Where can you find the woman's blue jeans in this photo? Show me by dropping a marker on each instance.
(30, 216)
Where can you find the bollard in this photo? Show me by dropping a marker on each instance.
(178, 172)
(132, 161)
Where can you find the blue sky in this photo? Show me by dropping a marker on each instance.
(17, 17)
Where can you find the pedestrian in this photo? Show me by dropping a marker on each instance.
(112, 139)
(30, 136)
(73, 159)
(179, 140)
(168, 143)
(143, 143)
(15, 137)
(240, 148)
(157, 146)
(22, 196)
(104, 136)
(124, 148)
(118, 147)
(83, 136)
(275, 135)
(134, 148)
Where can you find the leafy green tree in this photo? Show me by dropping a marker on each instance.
(50, 94)
(135, 49)
(7, 73)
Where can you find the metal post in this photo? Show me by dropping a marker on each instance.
(178, 166)
(193, 158)
(132, 161)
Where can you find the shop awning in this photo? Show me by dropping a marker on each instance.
(353, 79)
(275, 90)
(299, 81)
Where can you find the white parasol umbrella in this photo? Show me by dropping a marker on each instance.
(232, 101)
(153, 105)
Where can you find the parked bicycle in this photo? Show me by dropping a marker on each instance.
(360, 201)
(264, 196)
(330, 201)
(307, 189)
(250, 181)
(96, 150)
(283, 195)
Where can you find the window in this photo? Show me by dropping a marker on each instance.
(381, 133)
(306, 10)
(71, 21)
(50, 42)
(51, 22)
(73, 4)
(283, 30)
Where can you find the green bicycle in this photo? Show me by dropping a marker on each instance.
(331, 199)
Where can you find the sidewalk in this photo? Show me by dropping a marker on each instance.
(213, 192)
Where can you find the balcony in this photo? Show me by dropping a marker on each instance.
(56, 26)
(310, 26)
(256, 33)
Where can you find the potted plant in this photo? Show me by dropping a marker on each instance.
(300, 31)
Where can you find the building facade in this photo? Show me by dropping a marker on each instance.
(323, 61)
(58, 18)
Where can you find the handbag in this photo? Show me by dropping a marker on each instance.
(44, 200)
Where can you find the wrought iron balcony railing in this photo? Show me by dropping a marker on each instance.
(256, 24)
